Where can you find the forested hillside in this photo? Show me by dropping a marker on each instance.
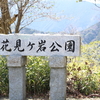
(91, 34)
(29, 31)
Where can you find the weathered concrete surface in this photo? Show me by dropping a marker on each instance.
(57, 78)
(17, 78)
(40, 44)
(57, 62)
(58, 84)
(16, 61)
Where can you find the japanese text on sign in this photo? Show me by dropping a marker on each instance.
(43, 45)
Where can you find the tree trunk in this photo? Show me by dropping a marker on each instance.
(5, 16)
(18, 22)
(19, 18)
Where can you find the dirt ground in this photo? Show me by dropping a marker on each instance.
(66, 99)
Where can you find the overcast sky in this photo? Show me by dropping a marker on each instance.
(80, 15)
(93, 1)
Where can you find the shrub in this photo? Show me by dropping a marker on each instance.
(37, 75)
(83, 78)
(3, 76)
(84, 72)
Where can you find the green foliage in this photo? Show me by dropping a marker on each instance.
(91, 34)
(91, 52)
(37, 74)
(79, 1)
(3, 76)
(85, 79)
(84, 72)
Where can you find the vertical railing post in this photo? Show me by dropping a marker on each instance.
(17, 78)
(57, 78)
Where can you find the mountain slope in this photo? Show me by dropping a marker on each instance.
(29, 31)
(91, 34)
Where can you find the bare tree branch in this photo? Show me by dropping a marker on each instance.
(27, 10)
(96, 4)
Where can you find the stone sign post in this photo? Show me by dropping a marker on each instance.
(58, 46)
(57, 78)
(17, 78)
